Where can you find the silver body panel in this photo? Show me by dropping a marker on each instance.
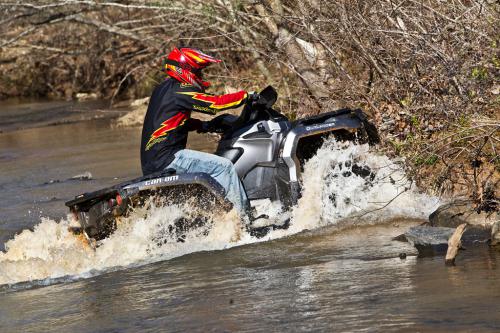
(258, 151)
(267, 162)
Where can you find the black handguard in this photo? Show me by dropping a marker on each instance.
(254, 99)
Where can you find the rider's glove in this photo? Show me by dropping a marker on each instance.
(205, 127)
(194, 124)
(214, 126)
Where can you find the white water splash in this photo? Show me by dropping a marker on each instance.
(51, 251)
(331, 193)
(333, 190)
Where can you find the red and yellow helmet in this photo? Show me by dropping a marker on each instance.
(185, 65)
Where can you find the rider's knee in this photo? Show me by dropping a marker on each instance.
(224, 162)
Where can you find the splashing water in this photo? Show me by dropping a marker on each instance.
(346, 180)
(342, 181)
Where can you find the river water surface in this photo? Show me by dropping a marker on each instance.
(335, 269)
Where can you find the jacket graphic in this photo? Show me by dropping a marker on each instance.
(167, 120)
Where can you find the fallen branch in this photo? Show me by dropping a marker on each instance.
(454, 244)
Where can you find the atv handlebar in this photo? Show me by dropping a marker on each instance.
(257, 105)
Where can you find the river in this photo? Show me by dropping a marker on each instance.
(335, 269)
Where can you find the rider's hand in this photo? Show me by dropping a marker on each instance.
(194, 124)
(213, 126)
(205, 127)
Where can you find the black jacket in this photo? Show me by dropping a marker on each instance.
(167, 120)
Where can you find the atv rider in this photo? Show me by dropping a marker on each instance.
(168, 121)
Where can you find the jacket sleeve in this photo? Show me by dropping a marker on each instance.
(208, 103)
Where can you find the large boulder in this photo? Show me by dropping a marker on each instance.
(451, 215)
(433, 238)
(495, 234)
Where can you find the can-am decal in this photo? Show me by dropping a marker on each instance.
(160, 180)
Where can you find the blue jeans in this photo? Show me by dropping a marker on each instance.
(219, 168)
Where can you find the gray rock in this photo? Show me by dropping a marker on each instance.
(84, 176)
(495, 234)
(86, 96)
(460, 211)
(429, 240)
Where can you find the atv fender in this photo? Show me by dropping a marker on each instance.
(345, 123)
(97, 211)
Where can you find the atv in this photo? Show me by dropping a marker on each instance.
(268, 152)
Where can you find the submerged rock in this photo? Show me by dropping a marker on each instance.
(429, 240)
(86, 96)
(84, 176)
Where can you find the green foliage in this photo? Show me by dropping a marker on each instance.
(398, 145)
(496, 62)
(292, 116)
(415, 121)
(471, 94)
(209, 12)
(145, 86)
(426, 160)
(410, 138)
(464, 120)
(406, 101)
(479, 73)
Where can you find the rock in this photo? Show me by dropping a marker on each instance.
(400, 238)
(429, 240)
(85, 96)
(84, 176)
(52, 181)
(461, 211)
(495, 234)
(133, 118)
(139, 102)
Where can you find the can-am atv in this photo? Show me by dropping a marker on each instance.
(267, 150)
